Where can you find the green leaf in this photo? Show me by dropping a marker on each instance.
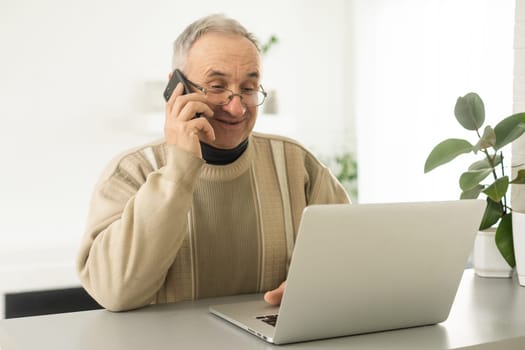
(492, 214)
(509, 129)
(446, 151)
(472, 193)
(487, 140)
(520, 178)
(498, 189)
(470, 111)
(504, 240)
(485, 164)
(472, 178)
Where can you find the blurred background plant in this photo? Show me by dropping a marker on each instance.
(272, 40)
(344, 168)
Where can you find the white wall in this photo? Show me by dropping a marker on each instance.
(518, 147)
(413, 59)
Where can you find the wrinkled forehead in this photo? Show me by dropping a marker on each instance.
(230, 55)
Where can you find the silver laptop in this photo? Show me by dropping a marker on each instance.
(367, 268)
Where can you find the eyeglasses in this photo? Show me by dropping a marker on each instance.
(221, 96)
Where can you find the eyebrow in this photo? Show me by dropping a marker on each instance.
(216, 73)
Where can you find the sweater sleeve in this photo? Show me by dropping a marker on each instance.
(322, 187)
(326, 189)
(134, 231)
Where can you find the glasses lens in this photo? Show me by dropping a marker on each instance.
(253, 98)
(218, 96)
(258, 98)
(221, 97)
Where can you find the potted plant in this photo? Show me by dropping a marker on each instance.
(486, 175)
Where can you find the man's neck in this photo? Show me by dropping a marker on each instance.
(218, 156)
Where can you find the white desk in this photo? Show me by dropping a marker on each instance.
(487, 314)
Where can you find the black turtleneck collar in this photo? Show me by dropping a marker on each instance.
(217, 156)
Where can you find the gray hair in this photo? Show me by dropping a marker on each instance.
(216, 23)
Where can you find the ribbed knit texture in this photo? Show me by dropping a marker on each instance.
(228, 245)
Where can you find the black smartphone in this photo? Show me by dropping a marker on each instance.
(176, 77)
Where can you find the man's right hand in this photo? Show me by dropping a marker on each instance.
(275, 296)
(180, 127)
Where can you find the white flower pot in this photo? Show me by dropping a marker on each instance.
(518, 234)
(486, 258)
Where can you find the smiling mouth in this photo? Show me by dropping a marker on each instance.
(231, 122)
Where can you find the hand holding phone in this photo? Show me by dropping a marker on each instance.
(186, 137)
(178, 77)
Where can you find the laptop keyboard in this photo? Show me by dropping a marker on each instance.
(270, 319)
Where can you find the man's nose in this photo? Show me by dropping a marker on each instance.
(235, 107)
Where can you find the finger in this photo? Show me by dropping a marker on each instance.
(192, 108)
(186, 106)
(275, 296)
(178, 91)
(170, 105)
(205, 130)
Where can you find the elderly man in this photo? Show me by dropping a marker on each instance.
(213, 208)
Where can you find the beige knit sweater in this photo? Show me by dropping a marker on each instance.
(164, 226)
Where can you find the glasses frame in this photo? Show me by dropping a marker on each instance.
(232, 94)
